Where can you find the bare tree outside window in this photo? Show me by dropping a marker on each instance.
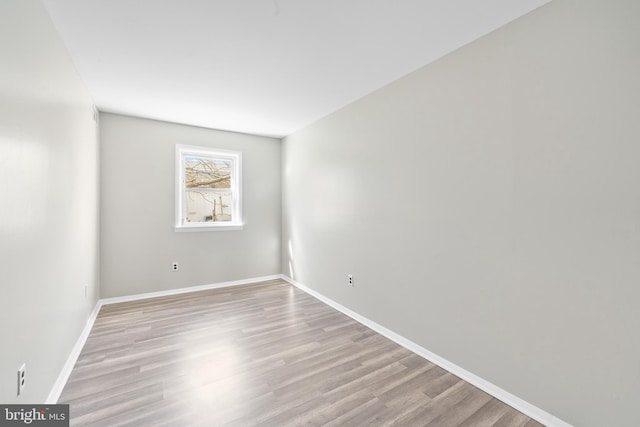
(208, 184)
(209, 190)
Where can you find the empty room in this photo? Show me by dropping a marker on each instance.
(327, 213)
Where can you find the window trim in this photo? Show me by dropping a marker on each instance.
(236, 188)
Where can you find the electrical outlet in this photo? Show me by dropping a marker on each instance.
(174, 266)
(350, 279)
(22, 370)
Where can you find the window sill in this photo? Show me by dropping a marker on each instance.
(217, 227)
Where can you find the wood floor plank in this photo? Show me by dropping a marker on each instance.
(488, 414)
(463, 410)
(264, 354)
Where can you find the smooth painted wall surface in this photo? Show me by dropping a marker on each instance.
(139, 243)
(488, 207)
(48, 202)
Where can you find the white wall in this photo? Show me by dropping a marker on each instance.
(488, 206)
(48, 201)
(138, 241)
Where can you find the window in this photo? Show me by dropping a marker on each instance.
(208, 189)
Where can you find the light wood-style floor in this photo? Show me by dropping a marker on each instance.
(266, 354)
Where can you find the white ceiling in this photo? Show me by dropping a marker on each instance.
(266, 67)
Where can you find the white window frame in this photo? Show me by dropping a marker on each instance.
(236, 189)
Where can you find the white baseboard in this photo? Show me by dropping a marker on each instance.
(515, 402)
(61, 381)
(188, 289)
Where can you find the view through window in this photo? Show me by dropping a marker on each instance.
(208, 188)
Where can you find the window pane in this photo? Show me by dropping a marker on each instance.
(208, 206)
(208, 188)
(201, 172)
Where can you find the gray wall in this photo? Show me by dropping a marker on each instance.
(138, 241)
(48, 201)
(488, 207)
